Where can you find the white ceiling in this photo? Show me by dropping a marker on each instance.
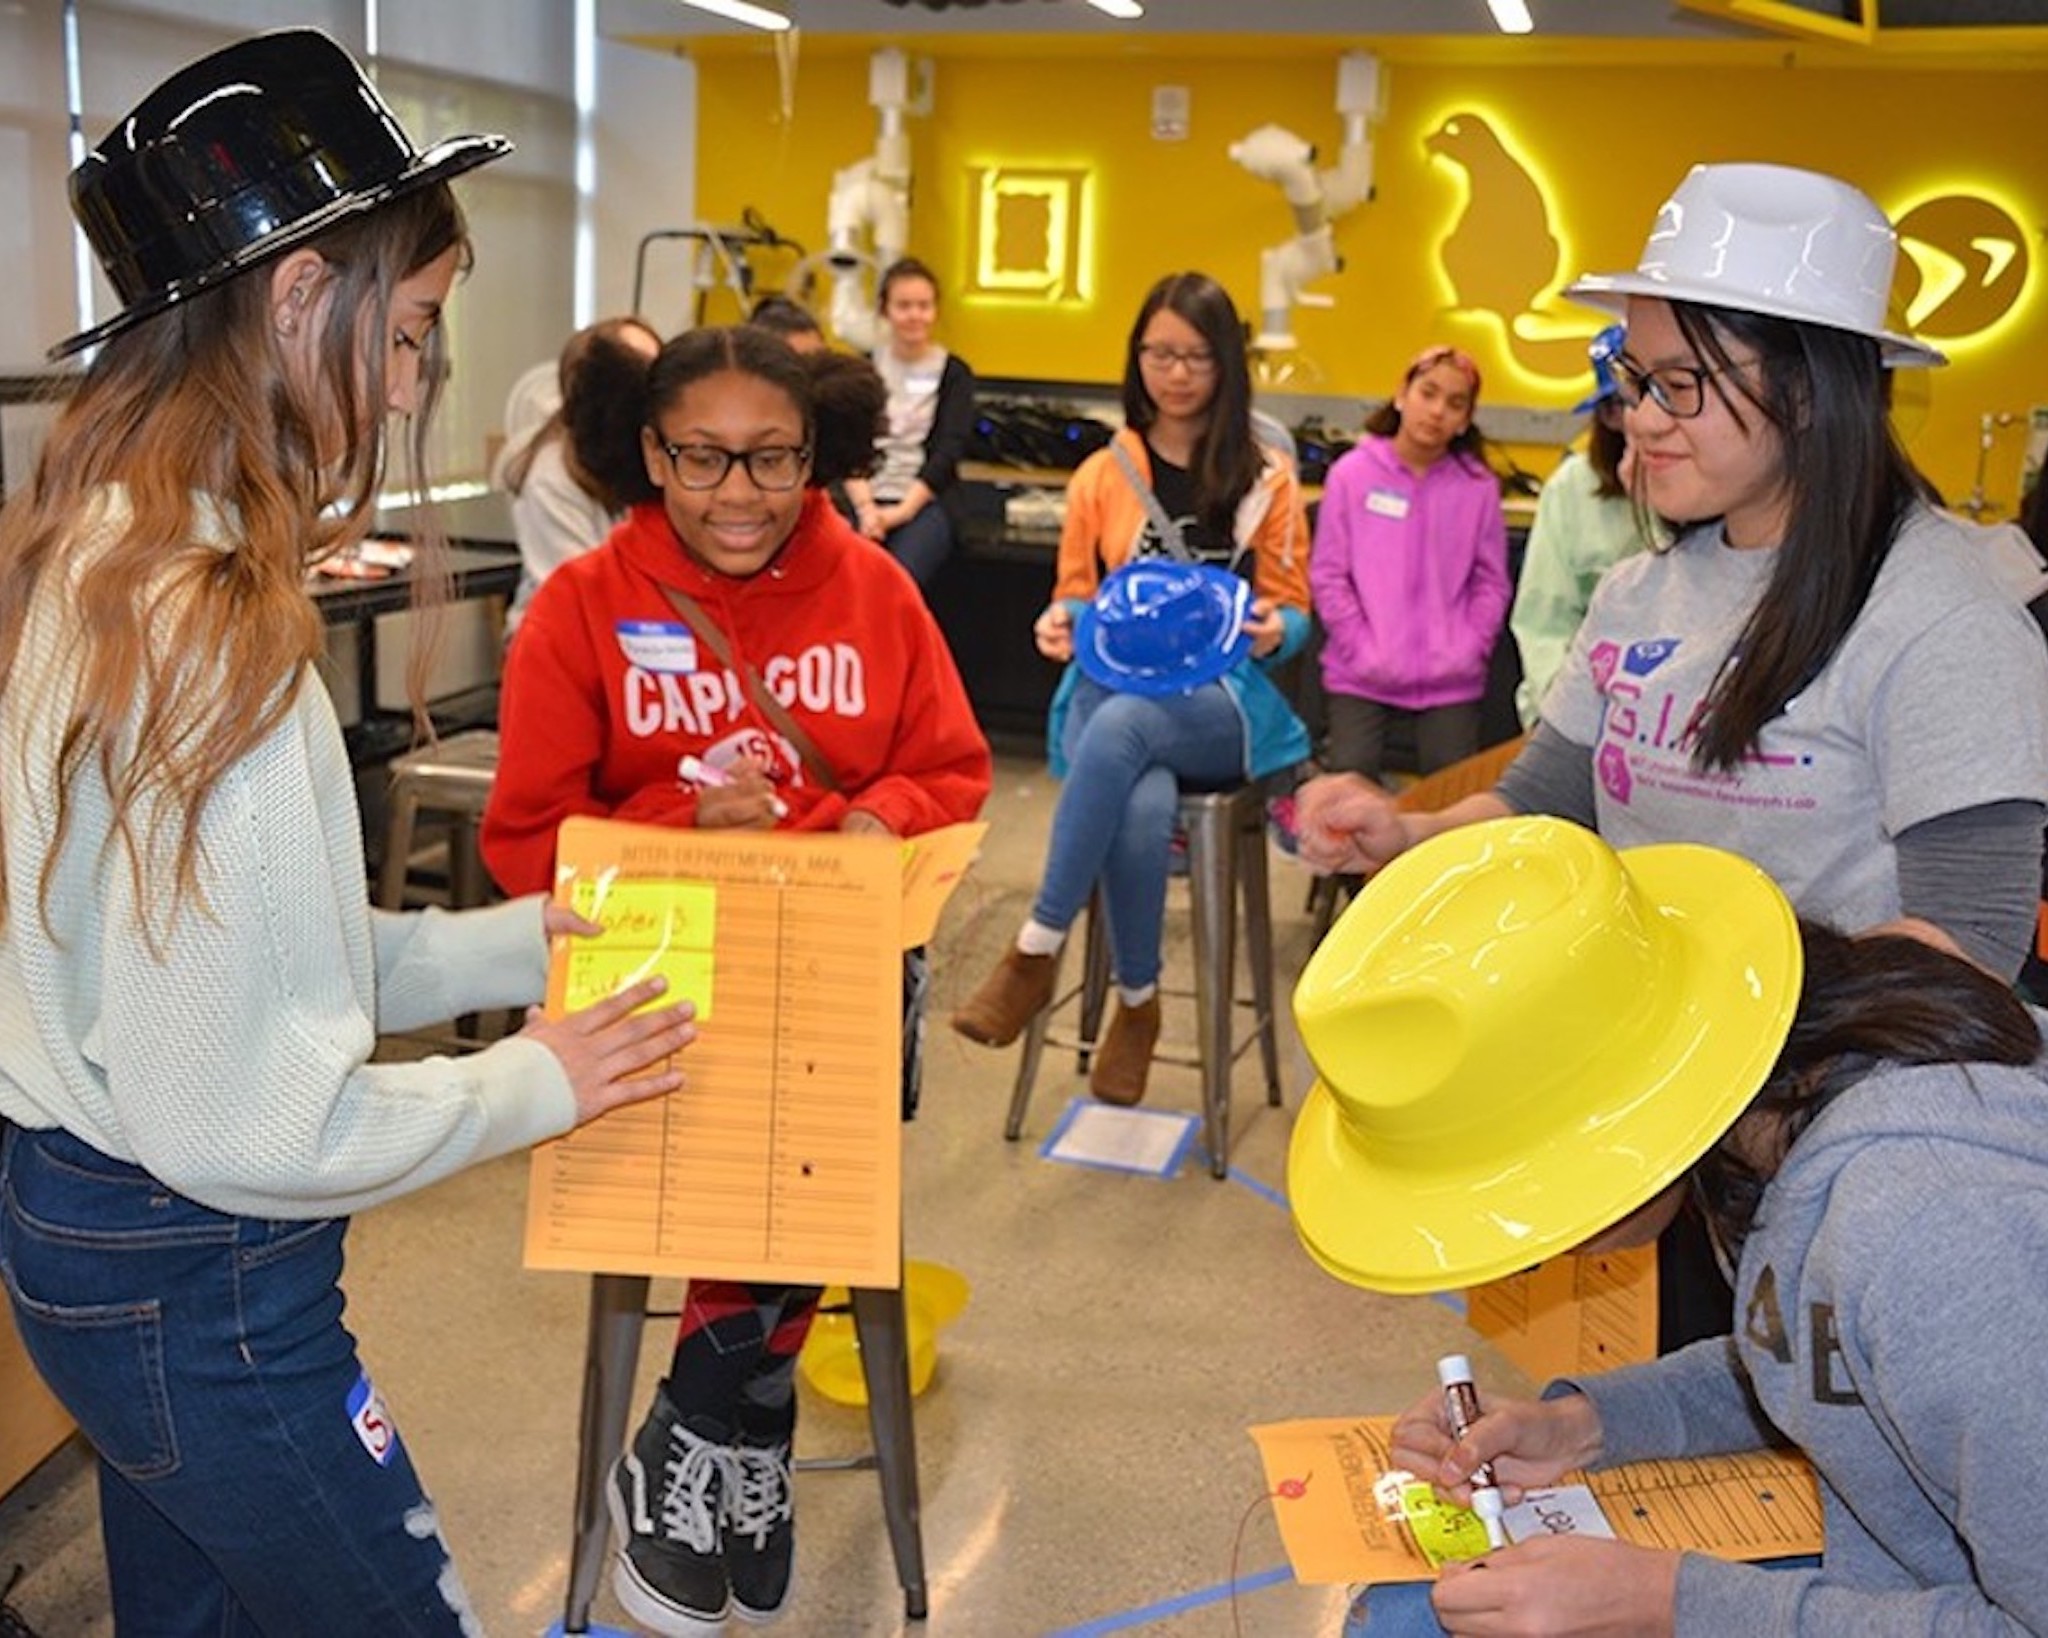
(1625, 19)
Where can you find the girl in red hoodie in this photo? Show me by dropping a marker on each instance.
(611, 690)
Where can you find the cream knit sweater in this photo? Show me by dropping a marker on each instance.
(231, 1062)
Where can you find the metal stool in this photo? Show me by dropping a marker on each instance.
(452, 777)
(1226, 832)
(618, 1313)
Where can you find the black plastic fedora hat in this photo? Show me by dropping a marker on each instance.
(237, 158)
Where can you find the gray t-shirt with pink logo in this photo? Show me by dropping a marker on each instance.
(1936, 701)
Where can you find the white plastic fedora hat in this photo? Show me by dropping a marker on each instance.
(1769, 239)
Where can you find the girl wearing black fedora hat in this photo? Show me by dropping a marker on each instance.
(191, 980)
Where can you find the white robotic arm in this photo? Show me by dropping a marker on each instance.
(1317, 198)
(1283, 270)
(867, 216)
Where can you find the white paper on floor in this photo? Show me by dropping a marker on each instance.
(1122, 1140)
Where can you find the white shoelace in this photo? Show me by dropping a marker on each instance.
(757, 1496)
(688, 1503)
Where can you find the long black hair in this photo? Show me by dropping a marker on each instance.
(1228, 460)
(1822, 391)
(841, 399)
(1864, 1003)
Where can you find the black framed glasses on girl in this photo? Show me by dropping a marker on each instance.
(1679, 390)
(772, 467)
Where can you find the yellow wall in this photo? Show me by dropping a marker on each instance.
(1612, 140)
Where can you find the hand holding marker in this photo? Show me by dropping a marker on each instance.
(700, 772)
(1461, 1408)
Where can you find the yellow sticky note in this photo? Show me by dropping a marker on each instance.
(650, 926)
(1446, 1532)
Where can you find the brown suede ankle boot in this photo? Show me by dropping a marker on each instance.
(1123, 1060)
(1017, 991)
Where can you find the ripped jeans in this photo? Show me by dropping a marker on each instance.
(250, 1482)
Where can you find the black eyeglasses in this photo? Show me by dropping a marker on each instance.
(1165, 359)
(1679, 390)
(704, 466)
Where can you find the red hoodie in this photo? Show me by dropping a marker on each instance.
(604, 693)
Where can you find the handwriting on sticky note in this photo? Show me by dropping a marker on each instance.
(651, 926)
(1446, 1532)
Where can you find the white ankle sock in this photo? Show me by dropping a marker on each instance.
(1136, 998)
(1040, 940)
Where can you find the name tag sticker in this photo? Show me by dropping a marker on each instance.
(921, 383)
(657, 645)
(1386, 503)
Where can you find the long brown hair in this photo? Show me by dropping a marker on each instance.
(184, 656)
(1864, 1003)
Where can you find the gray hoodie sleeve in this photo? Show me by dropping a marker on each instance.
(1695, 1402)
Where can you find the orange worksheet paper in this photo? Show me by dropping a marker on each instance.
(1573, 1314)
(933, 865)
(1322, 1473)
(781, 1160)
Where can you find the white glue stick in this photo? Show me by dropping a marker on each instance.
(1461, 1406)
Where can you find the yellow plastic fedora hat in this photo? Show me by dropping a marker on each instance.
(933, 1297)
(1521, 1036)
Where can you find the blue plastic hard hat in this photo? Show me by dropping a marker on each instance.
(1603, 350)
(1161, 627)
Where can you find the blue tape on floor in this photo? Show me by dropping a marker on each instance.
(591, 1631)
(1453, 1300)
(1265, 1191)
(1176, 1606)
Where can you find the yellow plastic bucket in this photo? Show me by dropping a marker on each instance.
(933, 1296)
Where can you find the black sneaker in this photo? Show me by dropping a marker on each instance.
(760, 1529)
(665, 1496)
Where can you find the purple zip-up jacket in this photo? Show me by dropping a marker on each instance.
(1410, 577)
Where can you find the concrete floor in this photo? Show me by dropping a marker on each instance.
(1083, 1459)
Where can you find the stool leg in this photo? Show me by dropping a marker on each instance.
(611, 1359)
(467, 884)
(1027, 1073)
(1095, 977)
(879, 1324)
(1212, 882)
(405, 807)
(1258, 944)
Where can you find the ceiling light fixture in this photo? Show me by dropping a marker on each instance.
(741, 11)
(1125, 9)
(1512, 16)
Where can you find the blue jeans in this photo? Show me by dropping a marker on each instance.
(923, 543)
(249, 1480)
(1127, 759)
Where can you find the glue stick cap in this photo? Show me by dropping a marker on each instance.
(1453, 1369)
(1489, 1504)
